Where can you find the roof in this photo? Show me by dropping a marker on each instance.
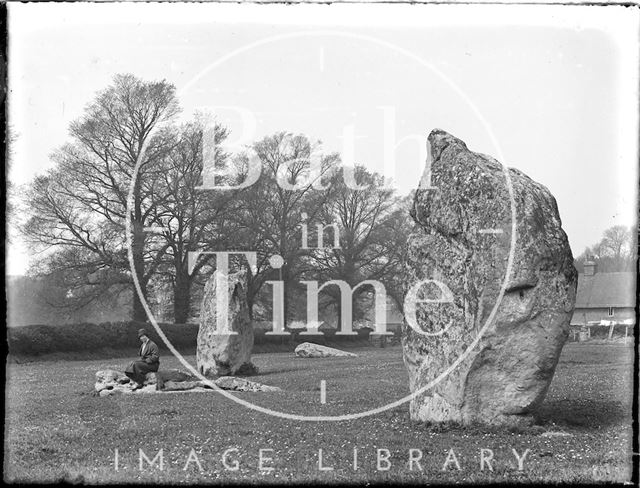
(606, 290)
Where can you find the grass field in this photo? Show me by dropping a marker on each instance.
(56, 430)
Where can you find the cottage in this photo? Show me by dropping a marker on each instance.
(606, 299)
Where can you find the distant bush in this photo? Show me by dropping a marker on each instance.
(35, 340)
(40, 339)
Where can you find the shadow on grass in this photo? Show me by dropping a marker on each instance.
(583, 413)
(270, 372)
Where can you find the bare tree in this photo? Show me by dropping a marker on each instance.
(616, 242)
(271, 215)
(189, 218)
(82, 201)
(10, 139)
(616, 251)
(373, 227)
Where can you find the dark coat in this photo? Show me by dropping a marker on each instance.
(149, 353)
(149, 362)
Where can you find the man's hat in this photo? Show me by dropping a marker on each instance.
(142, 332)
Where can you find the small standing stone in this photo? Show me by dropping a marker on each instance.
(225, 354)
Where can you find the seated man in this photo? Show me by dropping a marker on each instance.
(149, 360)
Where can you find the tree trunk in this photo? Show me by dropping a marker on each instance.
(250, 306)
(137, 246)
(181, 297)
(138, 314)
(283, 278)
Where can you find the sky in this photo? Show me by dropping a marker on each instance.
(550, 90)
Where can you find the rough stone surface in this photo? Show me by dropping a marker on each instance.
(225, 354)
(240, 384)
(163, 377)
(108, 379)
(506, 375)
(310, 350)
(112, 382)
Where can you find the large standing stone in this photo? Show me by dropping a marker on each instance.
(463, 239)
(225, 354)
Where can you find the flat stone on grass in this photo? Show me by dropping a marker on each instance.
(310, 350)
(111, 382)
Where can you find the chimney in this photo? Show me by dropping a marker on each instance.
(590, 267)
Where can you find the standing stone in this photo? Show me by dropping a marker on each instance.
(225, 354)
(463, 239)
